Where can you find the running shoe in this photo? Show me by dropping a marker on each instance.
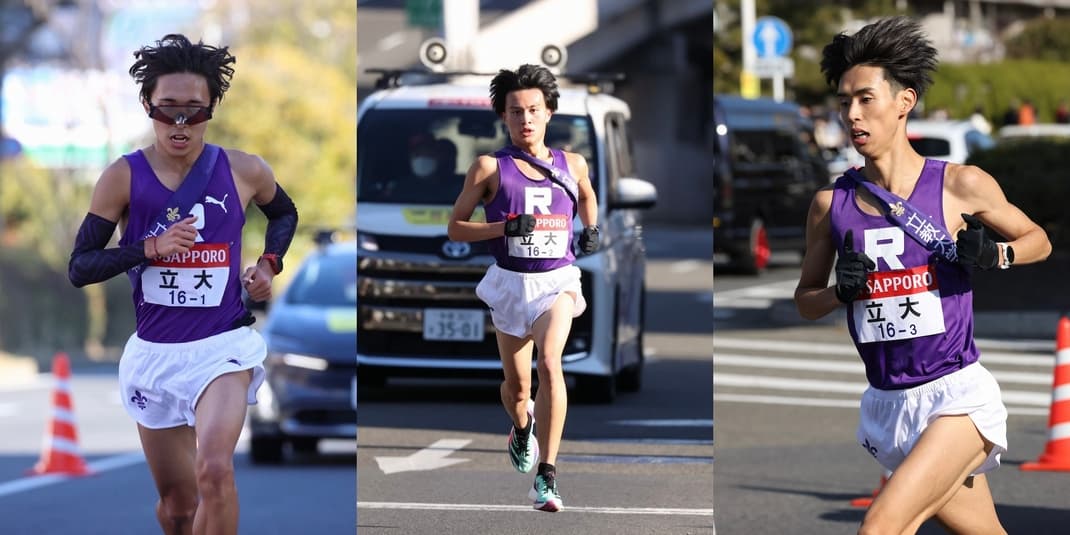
(544, 492)
(524, 450)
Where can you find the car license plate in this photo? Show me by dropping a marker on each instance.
(453, 324)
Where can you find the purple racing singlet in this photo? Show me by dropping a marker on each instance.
(550, 246)
(914, 320)
(187, 297)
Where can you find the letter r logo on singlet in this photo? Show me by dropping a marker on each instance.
(885, 244)
(537, 200)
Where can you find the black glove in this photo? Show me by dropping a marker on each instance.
(974, 248)
(851, 268)
(589, 239)
(519, 224)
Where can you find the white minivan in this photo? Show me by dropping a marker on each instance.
(417, 312)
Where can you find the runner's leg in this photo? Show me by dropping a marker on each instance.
(170, 455)
(550, 332)
(220, 414)
(516, 365)
(971, 510)
(948, 450)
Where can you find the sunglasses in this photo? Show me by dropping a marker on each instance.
(180, 114)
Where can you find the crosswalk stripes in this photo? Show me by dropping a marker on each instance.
(821, 374)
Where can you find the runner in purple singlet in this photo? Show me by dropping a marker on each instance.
(932, 414)
(190, 370)
(533, 290)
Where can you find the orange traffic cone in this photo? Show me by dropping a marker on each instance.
(60, 453)
(868, 500)
(1056, 456)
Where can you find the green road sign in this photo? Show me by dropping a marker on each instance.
(424, 13)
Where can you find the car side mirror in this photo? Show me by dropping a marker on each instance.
(633, 193)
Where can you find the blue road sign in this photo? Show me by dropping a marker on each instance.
(772, 37)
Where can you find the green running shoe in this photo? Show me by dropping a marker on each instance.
(524, 450)
(544, 492)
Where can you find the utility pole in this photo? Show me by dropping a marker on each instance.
(749, 84)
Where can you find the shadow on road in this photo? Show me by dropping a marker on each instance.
(1015, 518)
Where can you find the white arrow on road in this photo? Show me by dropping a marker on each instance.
(432, 457)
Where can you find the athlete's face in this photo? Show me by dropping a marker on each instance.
(178, 100)
(526, 116)
(872, 109)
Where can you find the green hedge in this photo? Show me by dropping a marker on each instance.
(1032, 176)
(993, 86)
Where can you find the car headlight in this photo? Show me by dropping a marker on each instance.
(300, 361)
(367, 242)
(265, 407)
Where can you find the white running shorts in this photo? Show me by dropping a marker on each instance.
(517, 299)
(892, 420)
(160, 383)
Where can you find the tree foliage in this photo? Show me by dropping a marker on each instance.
(293, 102)
(1042, 40)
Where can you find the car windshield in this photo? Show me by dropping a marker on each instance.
(422, 155)
(931, 146)
(763, 146)
(325, 280)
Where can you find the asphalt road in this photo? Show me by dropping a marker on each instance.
(641, 465)
(311, 494)
(786, 406)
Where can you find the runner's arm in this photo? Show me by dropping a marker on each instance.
(90, 261)
(476, 189)
(982, 197)
(814, 298)
(280, 211)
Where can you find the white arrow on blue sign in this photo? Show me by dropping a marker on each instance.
(772, 37)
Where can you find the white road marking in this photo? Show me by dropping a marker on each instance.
(96, 467)
(788, 363)
(669, 511)
(391, 41)
(665, 422)
(429, 458)
(658, 441)
(838, 403)
(684, 266)
(1018, 397)
(846, 348)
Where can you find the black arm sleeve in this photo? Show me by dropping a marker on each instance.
(91, 262)
(282, 222)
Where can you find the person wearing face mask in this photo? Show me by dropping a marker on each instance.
(423, 157)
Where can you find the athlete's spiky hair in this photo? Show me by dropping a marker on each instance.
(896, 44)
(526, 77)
(176, 54)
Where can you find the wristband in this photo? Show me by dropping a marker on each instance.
(273, 260)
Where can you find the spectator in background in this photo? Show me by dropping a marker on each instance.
(1011, 115)
(978, 120)
(1062, 113)
(1027, 114)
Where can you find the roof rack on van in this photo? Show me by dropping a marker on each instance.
(596, 82)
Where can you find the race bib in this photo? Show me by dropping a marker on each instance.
(194, 279)
(898, 305)
(551, 238)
